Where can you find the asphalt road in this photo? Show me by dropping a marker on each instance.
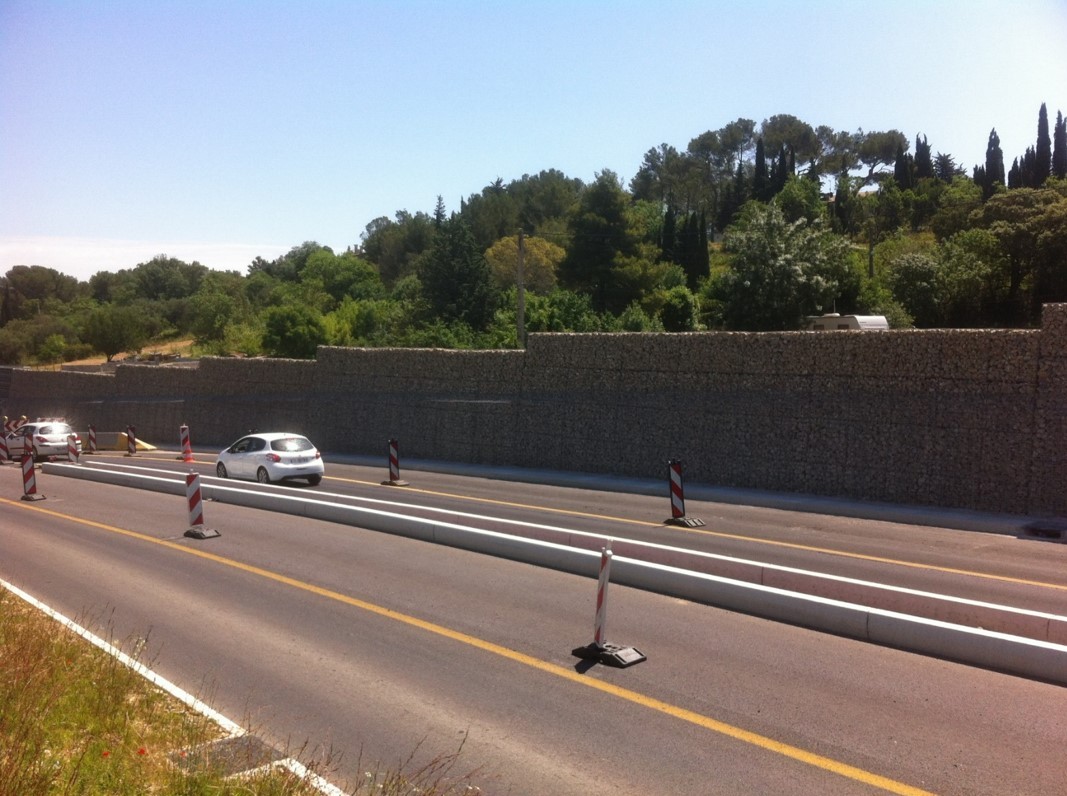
(325, 637)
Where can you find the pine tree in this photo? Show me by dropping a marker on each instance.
(1043, 152)
(1059, 148)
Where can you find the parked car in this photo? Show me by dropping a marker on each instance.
(271, 457)
(41, 439)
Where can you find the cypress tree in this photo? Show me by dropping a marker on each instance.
(994, 165)
(902, 169)
(759, 177)
(1059, 148)
(1043, 152)
(924, 164)
(1015, 175)
(668, 238)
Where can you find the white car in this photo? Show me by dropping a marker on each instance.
(41, 439)
(271, 457)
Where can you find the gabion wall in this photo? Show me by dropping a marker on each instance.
(971, 419)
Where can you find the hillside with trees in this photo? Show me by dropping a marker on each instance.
(750, 227)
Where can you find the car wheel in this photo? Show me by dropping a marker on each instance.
(262, 475)
(314, 480)
(220, 470)
(35, 455)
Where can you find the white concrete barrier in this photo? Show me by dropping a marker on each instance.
(1014, 654)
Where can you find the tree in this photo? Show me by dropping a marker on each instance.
(760, 181)
(994, 166)
(456, 282)
(395, 246)
(293, 331)
(924, 164)
(1043, 152)
(1031, 228)
(600, 234)
(779, 272)
(491, 215)
(27, 290)
(913, 281)
(343, 275)
(540, 261)
(1059, 148)
(112, 329)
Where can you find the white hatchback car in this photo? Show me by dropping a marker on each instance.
(41, 439)
(271, 457)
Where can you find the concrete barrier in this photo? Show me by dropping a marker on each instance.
(1010, 653)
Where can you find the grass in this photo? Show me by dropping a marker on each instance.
(77, 721)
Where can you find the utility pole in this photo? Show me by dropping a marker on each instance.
(520, 312)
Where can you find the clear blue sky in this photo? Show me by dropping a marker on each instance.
(218, 131)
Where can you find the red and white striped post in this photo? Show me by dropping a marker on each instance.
(5, 454)
(600, 650)
(394, 465)
(92, 439)
(194, 500)
(187, 445)
(677, 491)
(29, 479)
(602, 597)
(131, 441)
(72, 449)
(193, 497)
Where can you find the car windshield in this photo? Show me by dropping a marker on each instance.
(291, 444)
(55, 428)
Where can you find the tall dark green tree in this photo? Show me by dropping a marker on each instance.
(1059, 148)
(456, 281)
(1043, 151)
(924, 163)
(994, 165)
(669, 234)
(903, 168)
(600, 234)
(760, 182)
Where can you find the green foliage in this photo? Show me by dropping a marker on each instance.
(635, 319)
(779, 272)
(540, 261)
(562, 311)
(800, 199)
(52, 349)
(394, 247)
(456, 283)
(112, 329)
(680, 310)
(600, 237)
(293, 331)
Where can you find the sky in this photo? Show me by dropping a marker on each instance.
(220, 131)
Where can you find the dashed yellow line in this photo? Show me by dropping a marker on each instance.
(634, 697)
(733, 536)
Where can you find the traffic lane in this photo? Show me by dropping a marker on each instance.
(321, 671)
(976, 566)
(787, 683)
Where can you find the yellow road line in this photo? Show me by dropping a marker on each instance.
(634, 697)
(734, 537)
